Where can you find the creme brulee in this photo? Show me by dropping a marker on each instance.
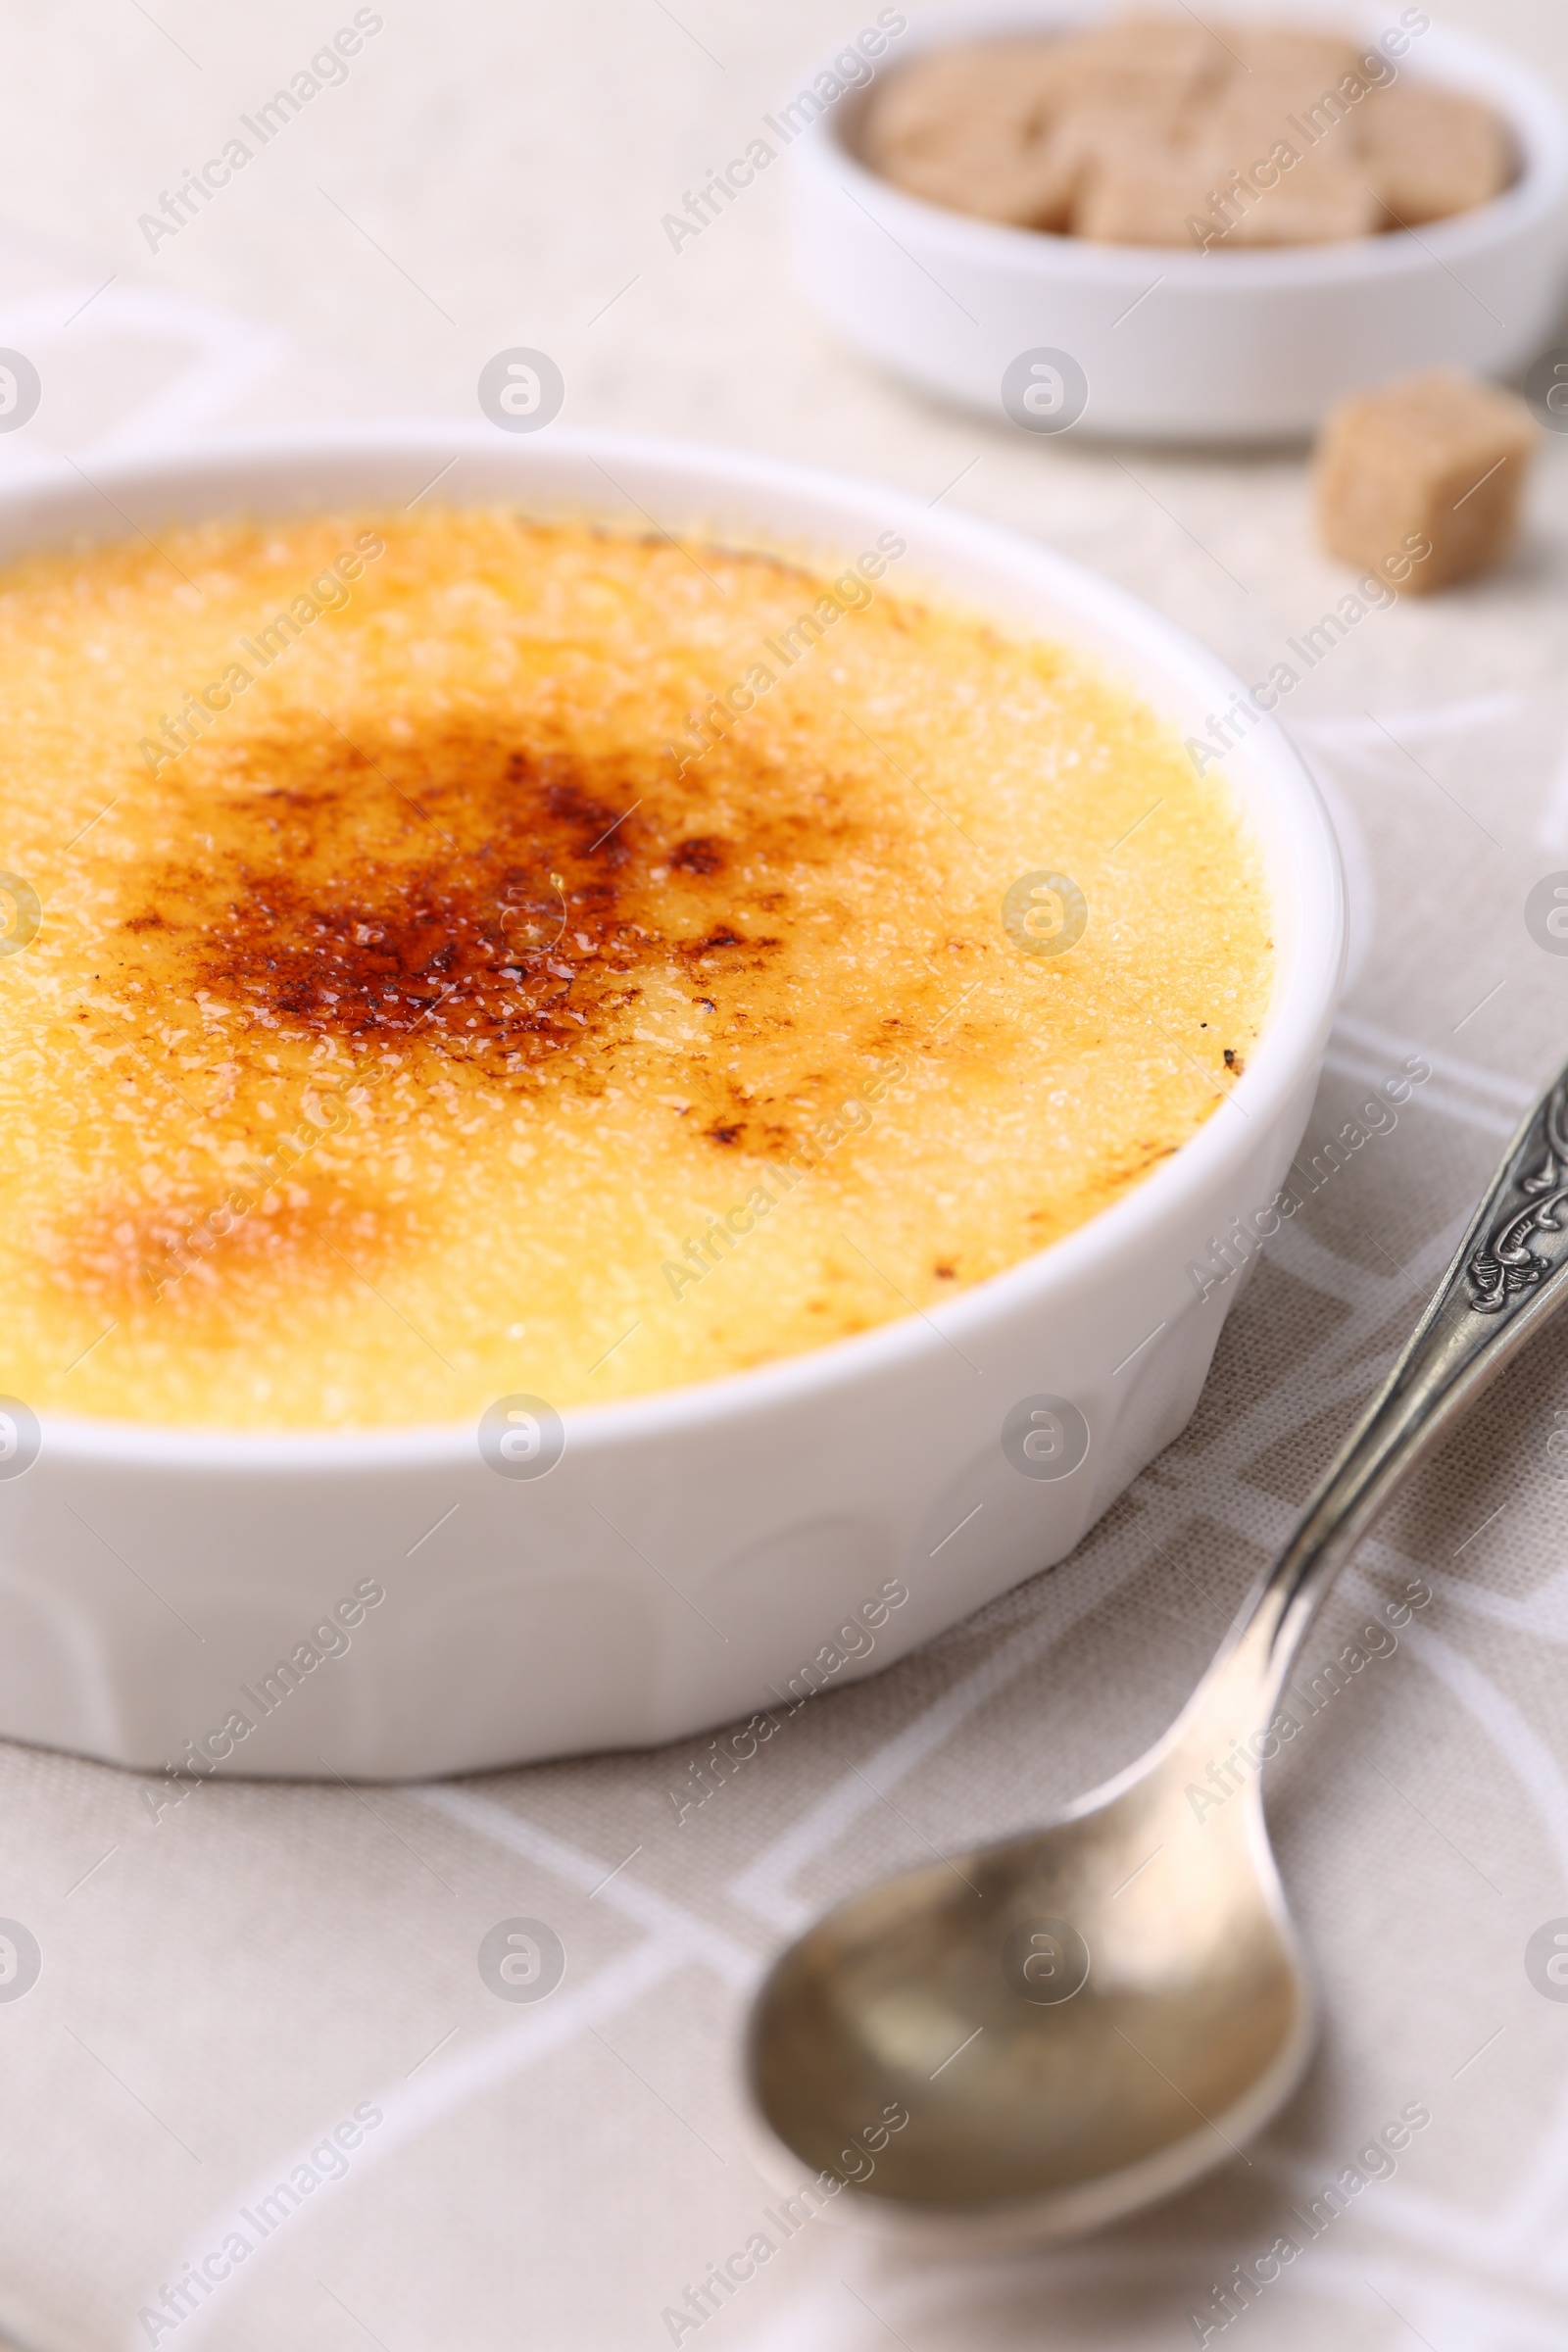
(476, 957)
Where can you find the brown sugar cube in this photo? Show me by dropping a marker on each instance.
(1129, 145)
(1013, 84)
(1023, 186)
(1436, 462)
(1307, 62)
(969, 128)
(1318, 201)
(1305, 90)
(1143, 60)
(1164, 41)
(1089, 127)
(1278, 185)
(1251, 119)
(1432, 153)
(1139, 192)
(1142, 194)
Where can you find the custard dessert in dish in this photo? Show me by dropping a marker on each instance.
(452, 955)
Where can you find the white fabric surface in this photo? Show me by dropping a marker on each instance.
(222, 1988)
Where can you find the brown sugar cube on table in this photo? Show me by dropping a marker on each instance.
(1432, 153)
(1434, 462)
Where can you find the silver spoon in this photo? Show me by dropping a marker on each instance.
(1083, 2020)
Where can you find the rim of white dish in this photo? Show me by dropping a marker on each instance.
(1475, 68)
(1292, 1040)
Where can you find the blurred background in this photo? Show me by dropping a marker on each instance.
(487, 177)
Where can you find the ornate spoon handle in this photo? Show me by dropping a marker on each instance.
(1510, 1272)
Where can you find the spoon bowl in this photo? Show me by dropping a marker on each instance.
(1075, 2022)
(1071, 2024)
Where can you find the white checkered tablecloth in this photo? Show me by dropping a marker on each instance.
(229, 1984)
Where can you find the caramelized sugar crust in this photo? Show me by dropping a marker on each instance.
(550, 965)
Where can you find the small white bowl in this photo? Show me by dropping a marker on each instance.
(692, 1551)
(1178, 345)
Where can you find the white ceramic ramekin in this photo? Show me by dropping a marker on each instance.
(1179, 345)
(692, 1553)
